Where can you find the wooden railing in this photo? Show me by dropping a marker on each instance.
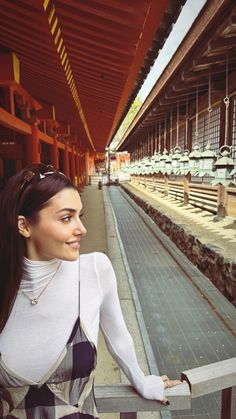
(122, 398)
(219, 199)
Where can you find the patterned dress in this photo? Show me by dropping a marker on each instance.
(65, 392)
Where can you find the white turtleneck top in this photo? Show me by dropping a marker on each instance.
(35, 335)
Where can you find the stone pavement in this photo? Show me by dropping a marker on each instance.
(189, 323)
(101, 236)
(209, 242)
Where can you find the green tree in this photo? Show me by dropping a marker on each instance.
(136, 105)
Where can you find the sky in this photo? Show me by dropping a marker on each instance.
(187, 16)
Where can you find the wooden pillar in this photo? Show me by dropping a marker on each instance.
(221, 201)
(186, 188)
(1, 168)
(54, 154)
(77, 174)
(65, 157)
(86, 167)
(166, 183)
(228, 403)
(18, 165)
(72, 164)
(8, 99)
(32, 146)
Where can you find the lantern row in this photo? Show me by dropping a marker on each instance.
(218, 165)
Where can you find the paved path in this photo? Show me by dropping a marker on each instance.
(184, 330)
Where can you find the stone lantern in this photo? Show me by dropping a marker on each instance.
(175, 159)
(206, 167)
(168, 164)
(184, 163)
(156, 166)
(163, 158)
(194, 159)
(224, 167)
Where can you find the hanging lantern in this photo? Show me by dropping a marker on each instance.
(194, 159)
(224, 167)
(175, 159)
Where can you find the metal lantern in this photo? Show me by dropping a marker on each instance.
(207, 160)
(184, 163)
(194, 159)
(175, 159)
(224, 167)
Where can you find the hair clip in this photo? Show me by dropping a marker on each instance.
(27, 178)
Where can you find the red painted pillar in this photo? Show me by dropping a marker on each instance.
(54, 154)
(87, 168)
(32, 146)
(77, 165)
(1, 168)
(66, 170)
(72, 162)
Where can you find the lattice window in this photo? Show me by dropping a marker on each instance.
(206, 131)
(212, 131)
(199, 138)
(182, 137)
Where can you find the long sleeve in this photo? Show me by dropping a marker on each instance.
(118, 339)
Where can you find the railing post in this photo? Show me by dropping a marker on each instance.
(131, 415)
(228, 403)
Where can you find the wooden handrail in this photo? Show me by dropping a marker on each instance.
(210, 378)
(123, 398)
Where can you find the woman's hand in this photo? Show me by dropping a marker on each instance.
(167, 384)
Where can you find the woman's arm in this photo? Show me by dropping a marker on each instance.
(117, 336)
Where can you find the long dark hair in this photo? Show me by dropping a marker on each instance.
(25, 193)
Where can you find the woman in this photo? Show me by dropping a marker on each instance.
(52, 302)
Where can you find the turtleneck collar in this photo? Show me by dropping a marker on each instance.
(37, 273)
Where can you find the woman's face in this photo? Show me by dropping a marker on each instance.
(58, 232)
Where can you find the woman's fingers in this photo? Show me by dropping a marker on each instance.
(173, 383)
(168, 384)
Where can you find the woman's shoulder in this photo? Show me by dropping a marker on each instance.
(97, 257)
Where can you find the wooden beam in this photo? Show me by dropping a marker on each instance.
(10, 121)
(123, 398)
(211, 378)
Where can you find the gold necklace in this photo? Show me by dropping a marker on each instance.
(35, 300)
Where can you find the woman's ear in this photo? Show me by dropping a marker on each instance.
(23, 226)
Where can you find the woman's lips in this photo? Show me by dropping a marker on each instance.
(74, 244)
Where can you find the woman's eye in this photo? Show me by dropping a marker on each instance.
(81, 214)
(66, 219)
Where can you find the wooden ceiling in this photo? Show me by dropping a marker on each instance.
(86, 57)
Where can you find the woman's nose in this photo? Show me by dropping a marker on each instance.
(80, 229)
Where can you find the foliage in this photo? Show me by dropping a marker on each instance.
(136, 105)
